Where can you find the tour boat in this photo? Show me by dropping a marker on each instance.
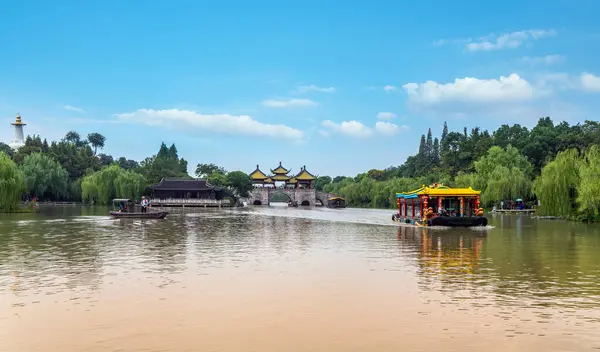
(439, 205)
(126, 210)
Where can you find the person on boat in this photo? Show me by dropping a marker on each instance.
(144, 204)
(442, 211)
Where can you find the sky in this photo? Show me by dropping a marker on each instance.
(338, 86)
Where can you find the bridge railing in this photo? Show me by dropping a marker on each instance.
(189, 201)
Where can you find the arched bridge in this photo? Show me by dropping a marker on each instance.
(305, 197)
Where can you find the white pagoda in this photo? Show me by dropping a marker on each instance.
(19, 139)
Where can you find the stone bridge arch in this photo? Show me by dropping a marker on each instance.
(306, 197)
(288, 194)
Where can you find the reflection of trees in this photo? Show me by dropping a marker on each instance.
(551, 262)
(521, 263)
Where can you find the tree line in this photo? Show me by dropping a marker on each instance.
(72, 169)
(553, 163)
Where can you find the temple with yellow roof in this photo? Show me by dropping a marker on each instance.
(296, 188)
(280, 176)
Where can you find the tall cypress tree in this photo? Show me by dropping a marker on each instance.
(422, 146)
(444, 134)
(436, 152)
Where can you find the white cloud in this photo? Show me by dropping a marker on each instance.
(496, 42)
(388, 129)
(324, 133)
(389, 88)
(507, 40)
(356, 129)
(73, 108)
(469, 89)
(590, 82)
(386, 115)
(219, 123)
(313, 88)
(349, 128)
(543, 60)
(288, 103)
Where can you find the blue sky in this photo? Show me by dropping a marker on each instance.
(338, 86)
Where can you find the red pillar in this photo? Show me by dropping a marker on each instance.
(405, 208)
(399, 204)
(413, 207)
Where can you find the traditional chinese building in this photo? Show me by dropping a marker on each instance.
(177, 188)
(259, 178)
(280, 175)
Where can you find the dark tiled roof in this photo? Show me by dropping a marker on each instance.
(180, 184)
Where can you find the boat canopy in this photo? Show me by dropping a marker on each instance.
(336, 198)
(439, 190)
(122, 200)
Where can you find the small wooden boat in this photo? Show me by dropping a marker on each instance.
(126, 210)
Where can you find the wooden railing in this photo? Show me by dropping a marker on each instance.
(190, 201)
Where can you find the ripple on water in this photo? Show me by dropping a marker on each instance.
(311, 270)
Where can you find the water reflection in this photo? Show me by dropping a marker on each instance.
(293, 267)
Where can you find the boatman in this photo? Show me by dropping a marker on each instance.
(144, 204)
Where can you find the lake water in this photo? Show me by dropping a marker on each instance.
(293, 279)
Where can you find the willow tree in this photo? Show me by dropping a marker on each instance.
(11, 184)
(129, 184)
(506, 183)
(112, 182)
(556, 187)
(588, 190)
(44, 176)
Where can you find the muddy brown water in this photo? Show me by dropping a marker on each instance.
(294, 279)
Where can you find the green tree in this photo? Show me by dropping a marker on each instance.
(240, 183)
(321, 182)
(105, 159)
(112, 182)
(6, 149)
(205, 170)
(556, 187)
(218, 179)
(166, 163)
(33, 144)
(588, 189)
(444, 135)
(11, 184)
(44, 177)
(503, 174)
(96, 140)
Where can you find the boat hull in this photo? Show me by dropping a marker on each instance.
(148, 215)
(447, 221)
(459, 221)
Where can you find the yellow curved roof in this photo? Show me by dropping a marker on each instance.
(257, 174)
(439, 190)
(292, 180)
(280, 170)
(280, 177)
(305, 175)
(449, 192)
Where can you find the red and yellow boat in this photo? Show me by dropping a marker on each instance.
(439, 205)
